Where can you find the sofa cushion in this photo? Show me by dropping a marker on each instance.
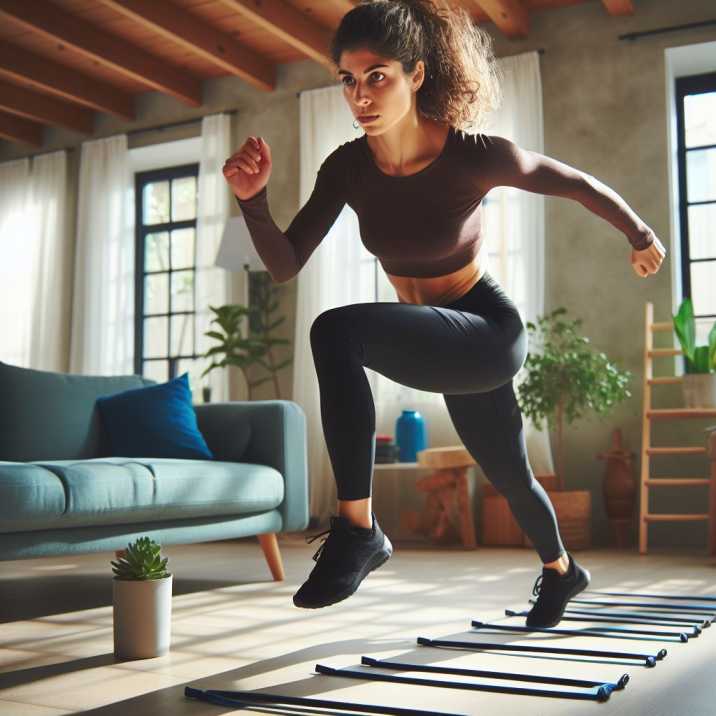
(52, 416)
(116, 490)
(156, 421)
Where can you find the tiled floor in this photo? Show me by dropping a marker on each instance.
(234, 628)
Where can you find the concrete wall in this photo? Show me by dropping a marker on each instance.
(604, 113)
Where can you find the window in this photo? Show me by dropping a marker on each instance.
(696, 134)
(166, 209)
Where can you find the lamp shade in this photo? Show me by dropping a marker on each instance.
(237, 248)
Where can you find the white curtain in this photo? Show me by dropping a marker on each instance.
(514, 219)
(33, 283)
(213, 287)
(102, 340)
(326, 281)
(103, 311)
(514, 223)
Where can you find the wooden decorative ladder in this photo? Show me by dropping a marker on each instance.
(647, 449)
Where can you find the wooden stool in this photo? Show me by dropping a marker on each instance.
(447, 515)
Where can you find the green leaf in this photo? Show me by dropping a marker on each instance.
(214, 334)
(142, 561)
(685, 328)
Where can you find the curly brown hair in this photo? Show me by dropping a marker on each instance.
(462, 77)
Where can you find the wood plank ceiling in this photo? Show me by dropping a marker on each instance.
(62, 61)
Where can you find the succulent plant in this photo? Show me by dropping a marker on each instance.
(141, 561)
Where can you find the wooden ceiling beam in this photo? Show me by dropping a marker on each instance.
(289, 25)
(16, 63)
(510, 16)
(46, 110)
(16, 129)
(45, 18)
(189, 31)
(619, 7)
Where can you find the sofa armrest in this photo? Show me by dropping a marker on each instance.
(266, 432)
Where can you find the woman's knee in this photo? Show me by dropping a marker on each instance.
(522, 347)
(517, 342)
(326, 324)
(334, 330)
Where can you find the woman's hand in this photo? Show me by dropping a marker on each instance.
(247, 171)
(648, 260)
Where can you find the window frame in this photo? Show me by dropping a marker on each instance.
(141, 179)
(686, 86)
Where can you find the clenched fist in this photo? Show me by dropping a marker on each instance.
(648, 260)
(247, 171)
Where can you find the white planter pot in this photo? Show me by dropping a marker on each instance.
(142, 615)
(699, 390)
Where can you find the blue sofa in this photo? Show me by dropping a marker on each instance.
(62, 492)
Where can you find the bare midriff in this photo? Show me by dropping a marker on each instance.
(438, 290)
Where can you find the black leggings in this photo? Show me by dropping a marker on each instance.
(468, 350)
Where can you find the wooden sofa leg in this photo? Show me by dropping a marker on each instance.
(269, 545)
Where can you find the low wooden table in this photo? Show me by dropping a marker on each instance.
(448, 514)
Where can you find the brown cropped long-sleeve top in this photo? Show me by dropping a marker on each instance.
(425, 228)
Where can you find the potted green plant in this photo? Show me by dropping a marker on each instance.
(142, 601)
(699, 380)
(565, 377)
(234, 349)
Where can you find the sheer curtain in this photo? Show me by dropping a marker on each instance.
(514, 219)
(102, 340)
(212, 283)
(33, 283)
(514, 223)
(340, 271)
(48, 202)
(103, 311)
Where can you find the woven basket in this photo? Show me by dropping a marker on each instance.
(499, 527)
(574, 516)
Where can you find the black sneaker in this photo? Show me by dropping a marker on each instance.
(347, 555)
(555, 590)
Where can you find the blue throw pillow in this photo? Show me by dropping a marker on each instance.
(156, 421)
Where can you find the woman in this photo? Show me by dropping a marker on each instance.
(413, 73)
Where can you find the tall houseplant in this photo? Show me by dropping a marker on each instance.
(699, 380)
(141, 601)
(565, 378)
(256, 348)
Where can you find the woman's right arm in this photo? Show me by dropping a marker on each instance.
(285, 253)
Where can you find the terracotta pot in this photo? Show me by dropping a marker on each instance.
(619, 489)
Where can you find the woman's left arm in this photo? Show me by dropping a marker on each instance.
(507, 164)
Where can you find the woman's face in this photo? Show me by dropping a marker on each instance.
(375, 85)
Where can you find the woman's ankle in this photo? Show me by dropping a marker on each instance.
(357, 512)
(561, 565)
(359, 522)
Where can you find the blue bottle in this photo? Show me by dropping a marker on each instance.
(410, 435)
